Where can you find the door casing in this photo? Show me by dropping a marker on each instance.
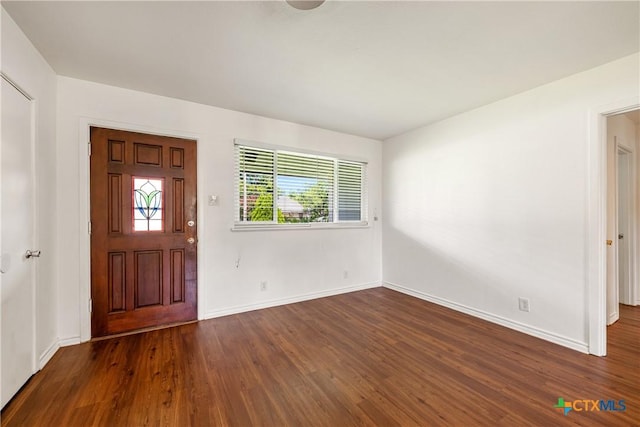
(84, 259)
(596, 295)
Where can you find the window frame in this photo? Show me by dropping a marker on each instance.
(274, 224)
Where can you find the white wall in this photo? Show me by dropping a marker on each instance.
(297, 264)
(22, 63)
(491, 205)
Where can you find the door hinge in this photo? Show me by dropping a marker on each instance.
(90, 306)
(89, 227)
(89, 148)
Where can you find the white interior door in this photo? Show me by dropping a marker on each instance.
(17, 286)
(613, 312)
(624, 223)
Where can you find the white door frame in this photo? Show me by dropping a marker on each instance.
(597, 221)
(84, 258)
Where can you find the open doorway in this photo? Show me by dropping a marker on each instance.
(623, 206)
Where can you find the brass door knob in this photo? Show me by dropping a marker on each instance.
(191, 240)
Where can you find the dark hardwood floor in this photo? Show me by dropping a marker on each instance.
(374, 357)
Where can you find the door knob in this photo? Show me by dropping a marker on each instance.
(191, 240)
(32, 254)
(191, 223)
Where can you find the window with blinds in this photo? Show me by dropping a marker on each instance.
(349, 191)
(284, 187)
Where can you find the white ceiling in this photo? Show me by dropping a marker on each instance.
(374, 69)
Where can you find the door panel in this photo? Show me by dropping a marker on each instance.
(143, 231)
(177, 275)
(612, 268)
(17, 283)
(148, 284)
(624, 235)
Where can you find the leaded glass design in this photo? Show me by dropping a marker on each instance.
(147, 204)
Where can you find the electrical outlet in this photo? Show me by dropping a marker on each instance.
(523, 304)
(263, 286)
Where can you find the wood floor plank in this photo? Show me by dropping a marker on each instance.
(373, 357)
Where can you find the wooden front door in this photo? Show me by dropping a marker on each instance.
(143, 231)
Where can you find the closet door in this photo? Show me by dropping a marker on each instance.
(18, 255)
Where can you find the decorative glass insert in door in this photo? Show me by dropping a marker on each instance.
(147, 204)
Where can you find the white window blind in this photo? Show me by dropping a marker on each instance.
(305, 188)
(350, 183)
(284, 187)
(255, 184)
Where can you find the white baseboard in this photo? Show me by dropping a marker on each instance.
(289, 300)
(613, 317)
(64, 342)
(520, 327)
(48, 354)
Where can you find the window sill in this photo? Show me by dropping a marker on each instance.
(305, 226)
